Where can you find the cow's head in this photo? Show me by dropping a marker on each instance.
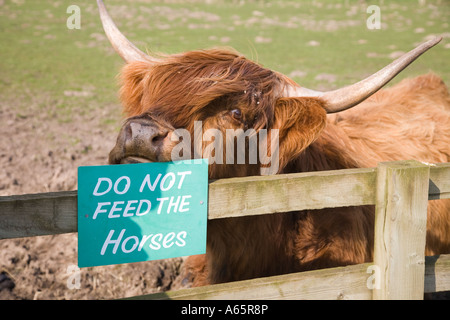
(218, 104)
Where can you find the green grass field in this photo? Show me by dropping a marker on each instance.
(322, 44)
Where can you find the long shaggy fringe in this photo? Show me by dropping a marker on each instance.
(180, 87)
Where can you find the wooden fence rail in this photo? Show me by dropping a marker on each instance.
(400, 191)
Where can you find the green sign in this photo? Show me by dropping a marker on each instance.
(140, 212)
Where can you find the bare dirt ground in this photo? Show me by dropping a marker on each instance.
(39, 153)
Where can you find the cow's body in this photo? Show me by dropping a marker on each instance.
(408, 121)
(225, 91)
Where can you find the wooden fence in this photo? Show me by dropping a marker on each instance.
(399, 190)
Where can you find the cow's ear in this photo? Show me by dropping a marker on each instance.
(133, 78)
(299, 122)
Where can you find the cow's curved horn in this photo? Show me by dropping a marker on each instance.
(347, 97)
(120, 43)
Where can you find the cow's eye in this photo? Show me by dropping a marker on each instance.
(236, 114)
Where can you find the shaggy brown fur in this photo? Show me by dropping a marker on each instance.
(408, 121)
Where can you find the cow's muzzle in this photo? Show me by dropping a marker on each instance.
(142, 139)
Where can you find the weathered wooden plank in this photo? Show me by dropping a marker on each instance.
(53, 213)
(38, 214)
(437, 273)
(327, 284)
(349, 282)
(400, 228)
(291, 192)
(439, 187)
(227, 198)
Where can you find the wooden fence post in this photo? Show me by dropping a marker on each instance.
(400, 229)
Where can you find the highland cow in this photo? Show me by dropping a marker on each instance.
(352, 127)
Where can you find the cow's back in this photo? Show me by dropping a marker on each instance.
(410, 120)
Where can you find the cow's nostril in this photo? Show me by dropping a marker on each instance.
(159, 137)
(128, 132)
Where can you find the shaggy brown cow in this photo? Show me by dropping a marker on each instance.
(224, 90)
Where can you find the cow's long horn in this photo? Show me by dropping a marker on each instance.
(347, 97)
(120, 43)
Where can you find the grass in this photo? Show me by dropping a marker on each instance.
(323, 44)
